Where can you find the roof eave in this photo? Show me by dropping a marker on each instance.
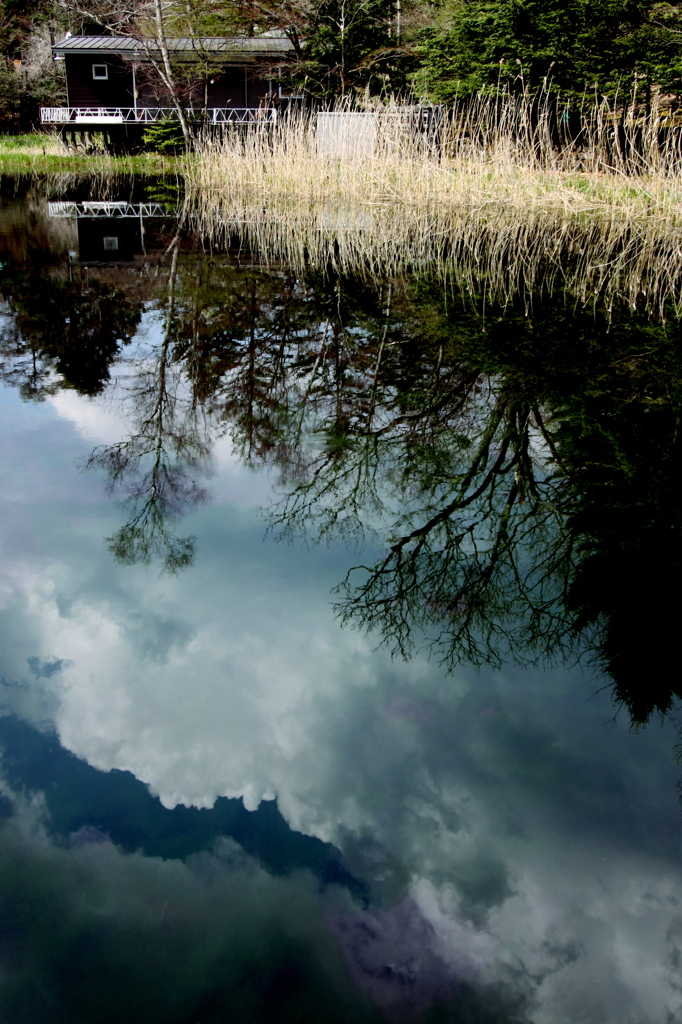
(131, 50)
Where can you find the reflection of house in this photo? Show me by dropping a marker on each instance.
(110, 81)
(109, 231)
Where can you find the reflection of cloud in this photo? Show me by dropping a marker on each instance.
(512, 839)
(494, 825)
(96, 421)
(393, 954)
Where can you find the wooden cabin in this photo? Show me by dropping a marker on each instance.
(112, 86)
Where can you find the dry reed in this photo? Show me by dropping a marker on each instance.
(505, 194)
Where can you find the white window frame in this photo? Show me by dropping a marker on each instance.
(100, 67)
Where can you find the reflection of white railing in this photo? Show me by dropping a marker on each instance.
(106, 209)
(147, 115)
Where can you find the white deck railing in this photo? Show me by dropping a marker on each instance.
(148, 115)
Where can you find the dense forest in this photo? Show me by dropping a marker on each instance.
(628, 50)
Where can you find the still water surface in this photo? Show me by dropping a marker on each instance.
(327, 607)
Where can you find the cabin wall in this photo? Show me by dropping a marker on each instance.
(258, 90)
(234, 86)
(226, 88)
(85, 91)
(151, 92)
(110, 239)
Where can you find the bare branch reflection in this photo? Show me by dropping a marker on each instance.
(158, 467)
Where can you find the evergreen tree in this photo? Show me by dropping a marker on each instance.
(569, 45)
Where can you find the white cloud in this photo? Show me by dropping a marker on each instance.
(97, 422)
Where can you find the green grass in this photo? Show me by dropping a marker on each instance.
(43, 154)
(35, 142)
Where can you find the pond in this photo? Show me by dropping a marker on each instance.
(339, 657)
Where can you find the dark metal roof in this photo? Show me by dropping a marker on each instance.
(134, 49)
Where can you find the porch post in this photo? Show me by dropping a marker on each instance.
(134, 92)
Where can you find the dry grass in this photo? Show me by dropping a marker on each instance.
(502, 198)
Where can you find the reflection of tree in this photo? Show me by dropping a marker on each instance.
(528, 487)
(484, 564)
(522, 475)
(523, 483)
(448, 463)
(59, 333)
(621, 449)
(157, 467)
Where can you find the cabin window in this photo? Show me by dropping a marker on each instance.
(110, 243)
(100, 71)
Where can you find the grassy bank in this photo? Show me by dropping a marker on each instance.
(290, 172)
(526, 152)
(43, 154)
(499, 196)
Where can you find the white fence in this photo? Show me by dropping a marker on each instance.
(352, 135)
(347, 135)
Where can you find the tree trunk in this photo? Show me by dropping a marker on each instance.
(167, 75)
